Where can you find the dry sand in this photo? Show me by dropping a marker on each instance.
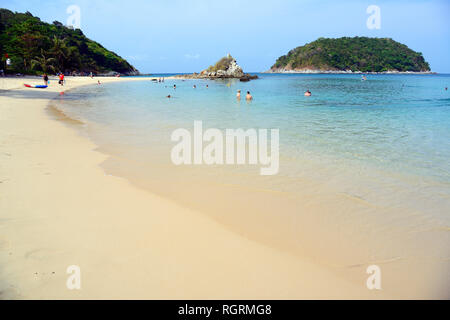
(58, 208)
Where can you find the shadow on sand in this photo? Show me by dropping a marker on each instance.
(30, 93)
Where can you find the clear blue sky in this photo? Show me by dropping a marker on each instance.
(189, 35)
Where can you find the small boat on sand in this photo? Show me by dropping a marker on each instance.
(36, 87)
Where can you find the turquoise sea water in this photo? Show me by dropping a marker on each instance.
(383, 143)
(397, 125)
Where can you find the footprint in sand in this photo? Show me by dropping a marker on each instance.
(39, 254)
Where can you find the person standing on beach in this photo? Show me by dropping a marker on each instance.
(248, 97)
(61, 79)
(45, 77)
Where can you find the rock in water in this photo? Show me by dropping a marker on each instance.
(225, 68)
(234, 69)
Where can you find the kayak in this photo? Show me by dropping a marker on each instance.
(37, 87)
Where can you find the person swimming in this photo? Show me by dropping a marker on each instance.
(308, 93)
(248, 97)
(195, 87)
(238, 95)
(169, 96)
(174, 86)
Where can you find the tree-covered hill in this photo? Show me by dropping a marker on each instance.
(355, 54)
(35, 47)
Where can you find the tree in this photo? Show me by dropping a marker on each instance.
(73, 57)
(46, 64)
(60, 51)
(23, 36)
(29, 43)
(357, 54)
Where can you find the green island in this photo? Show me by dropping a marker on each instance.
(34, 46)
(357, 54)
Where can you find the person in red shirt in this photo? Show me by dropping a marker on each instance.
(61, 79)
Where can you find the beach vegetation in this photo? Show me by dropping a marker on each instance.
(356, 54)
(223, 64)
(24, 38)
(45, 64)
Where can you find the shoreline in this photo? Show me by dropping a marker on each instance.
(60, 209)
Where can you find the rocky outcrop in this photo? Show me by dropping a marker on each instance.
(225, 68)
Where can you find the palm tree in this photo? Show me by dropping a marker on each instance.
(45, 63)
(60, 51)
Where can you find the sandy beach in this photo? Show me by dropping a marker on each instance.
(58, 208)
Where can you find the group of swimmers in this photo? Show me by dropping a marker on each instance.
(248, 96)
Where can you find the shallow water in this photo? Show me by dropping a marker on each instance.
(365, 160)
(391, 124)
